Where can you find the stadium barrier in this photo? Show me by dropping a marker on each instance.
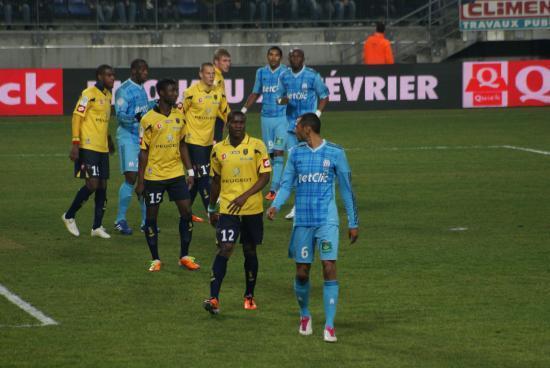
(352, 87)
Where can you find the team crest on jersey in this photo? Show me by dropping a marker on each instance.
(236, 171)
(304, 85)
(326, 164)
(177, 120)
(120, 102)
(326, 246)
(245, 151)
(170, 138)
(215, 97)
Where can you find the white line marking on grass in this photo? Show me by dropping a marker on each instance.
(15, 299)
(458, 229)
(526, 149)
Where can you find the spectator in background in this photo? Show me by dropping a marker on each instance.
(147, 11)
(169, 12)
(104, 11)
(232, 11)
(9, 7)
(377, 49)
(260, 7)
(344, 10)
(126, 11)
(310, 9)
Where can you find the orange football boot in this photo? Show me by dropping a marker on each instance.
(189, 263)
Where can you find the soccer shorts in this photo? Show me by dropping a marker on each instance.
(249, 227)
(274, 133)
(176, 188)
(304, 240)
(200, 159)
(218, 130)
(128, 154)
(291, 140)
(91, 164)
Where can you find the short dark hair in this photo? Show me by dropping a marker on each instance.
(221, 52)
(137, 63)
(163, 83)
(275, 48)
(203, 65)
(296, 49)
(380, 27)
(235, 113)
(102, 69)
(311, 120)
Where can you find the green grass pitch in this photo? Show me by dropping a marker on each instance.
(413, 293)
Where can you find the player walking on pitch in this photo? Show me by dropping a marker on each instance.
(315, 165)
(163, 154)
(131, 103)
(302, 90)
(222, 64)
(240, 169)
(273, 117)
(90, 150)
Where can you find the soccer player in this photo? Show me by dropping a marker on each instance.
(240, 168)
(131, 103)
(273, 117)
(222, 64)
(90, 150)
(201, 104)
(302, 90)
(162, 156)
(314, 166)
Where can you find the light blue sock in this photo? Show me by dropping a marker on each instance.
(330, 299)
(302, 295)
(143, 212)
(124, 198)
(277, 173)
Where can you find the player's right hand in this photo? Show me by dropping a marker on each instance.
(140, 187)
(213, 218)
(73, 155)
(353, 235)
(271, 212)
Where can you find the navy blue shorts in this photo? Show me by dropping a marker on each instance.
(249, 227)
(154, 190)
(200, 159)
(91, 164)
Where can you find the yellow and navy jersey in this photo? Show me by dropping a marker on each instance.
(219, 81)
(239, 169)
(94, 105)
(161, 136)
(201, 105)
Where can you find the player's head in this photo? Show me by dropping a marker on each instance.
(296, 59)
(105, 74)
(139, 71)
(380, 27)
(222, 60)
(274, 55)
(306, 125)
(167, 90)
(207, 74)
(236, 122)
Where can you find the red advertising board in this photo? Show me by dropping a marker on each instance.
(506, 83)
(31, 91)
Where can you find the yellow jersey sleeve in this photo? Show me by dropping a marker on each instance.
(82, 105)
(144, 134)
(224, 109)
(215, 164)
(263, 163)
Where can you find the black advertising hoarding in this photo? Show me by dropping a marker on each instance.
(351, 87)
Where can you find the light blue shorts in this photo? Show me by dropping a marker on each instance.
(129, 157)
(274, 133)
(305, 240)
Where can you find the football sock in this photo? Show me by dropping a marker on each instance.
(100, 205)
(124, 198)
(203, 187)
(218, 273)
(186, 232)
(302, 295)
(250, 271)
(151, 235)
(330, 300)
(81, 196)
(277, 173)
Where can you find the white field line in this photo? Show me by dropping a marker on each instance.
(526, 149)
(15, 299)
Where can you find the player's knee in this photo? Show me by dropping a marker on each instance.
(92, 185)
(185, 211)
(226, 249)
(249, 250)
(130, 179)
(302, 275)
(329, 270)
(151, 228)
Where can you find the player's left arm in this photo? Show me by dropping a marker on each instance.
(224, 108)
(186, 159)
(256, 92)
(124, 109)
(287, 183)
(343, 174)
(322, 93)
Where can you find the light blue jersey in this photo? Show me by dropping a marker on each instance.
(303, 91)
(315, 173)
(266, 85)
(130, 100)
